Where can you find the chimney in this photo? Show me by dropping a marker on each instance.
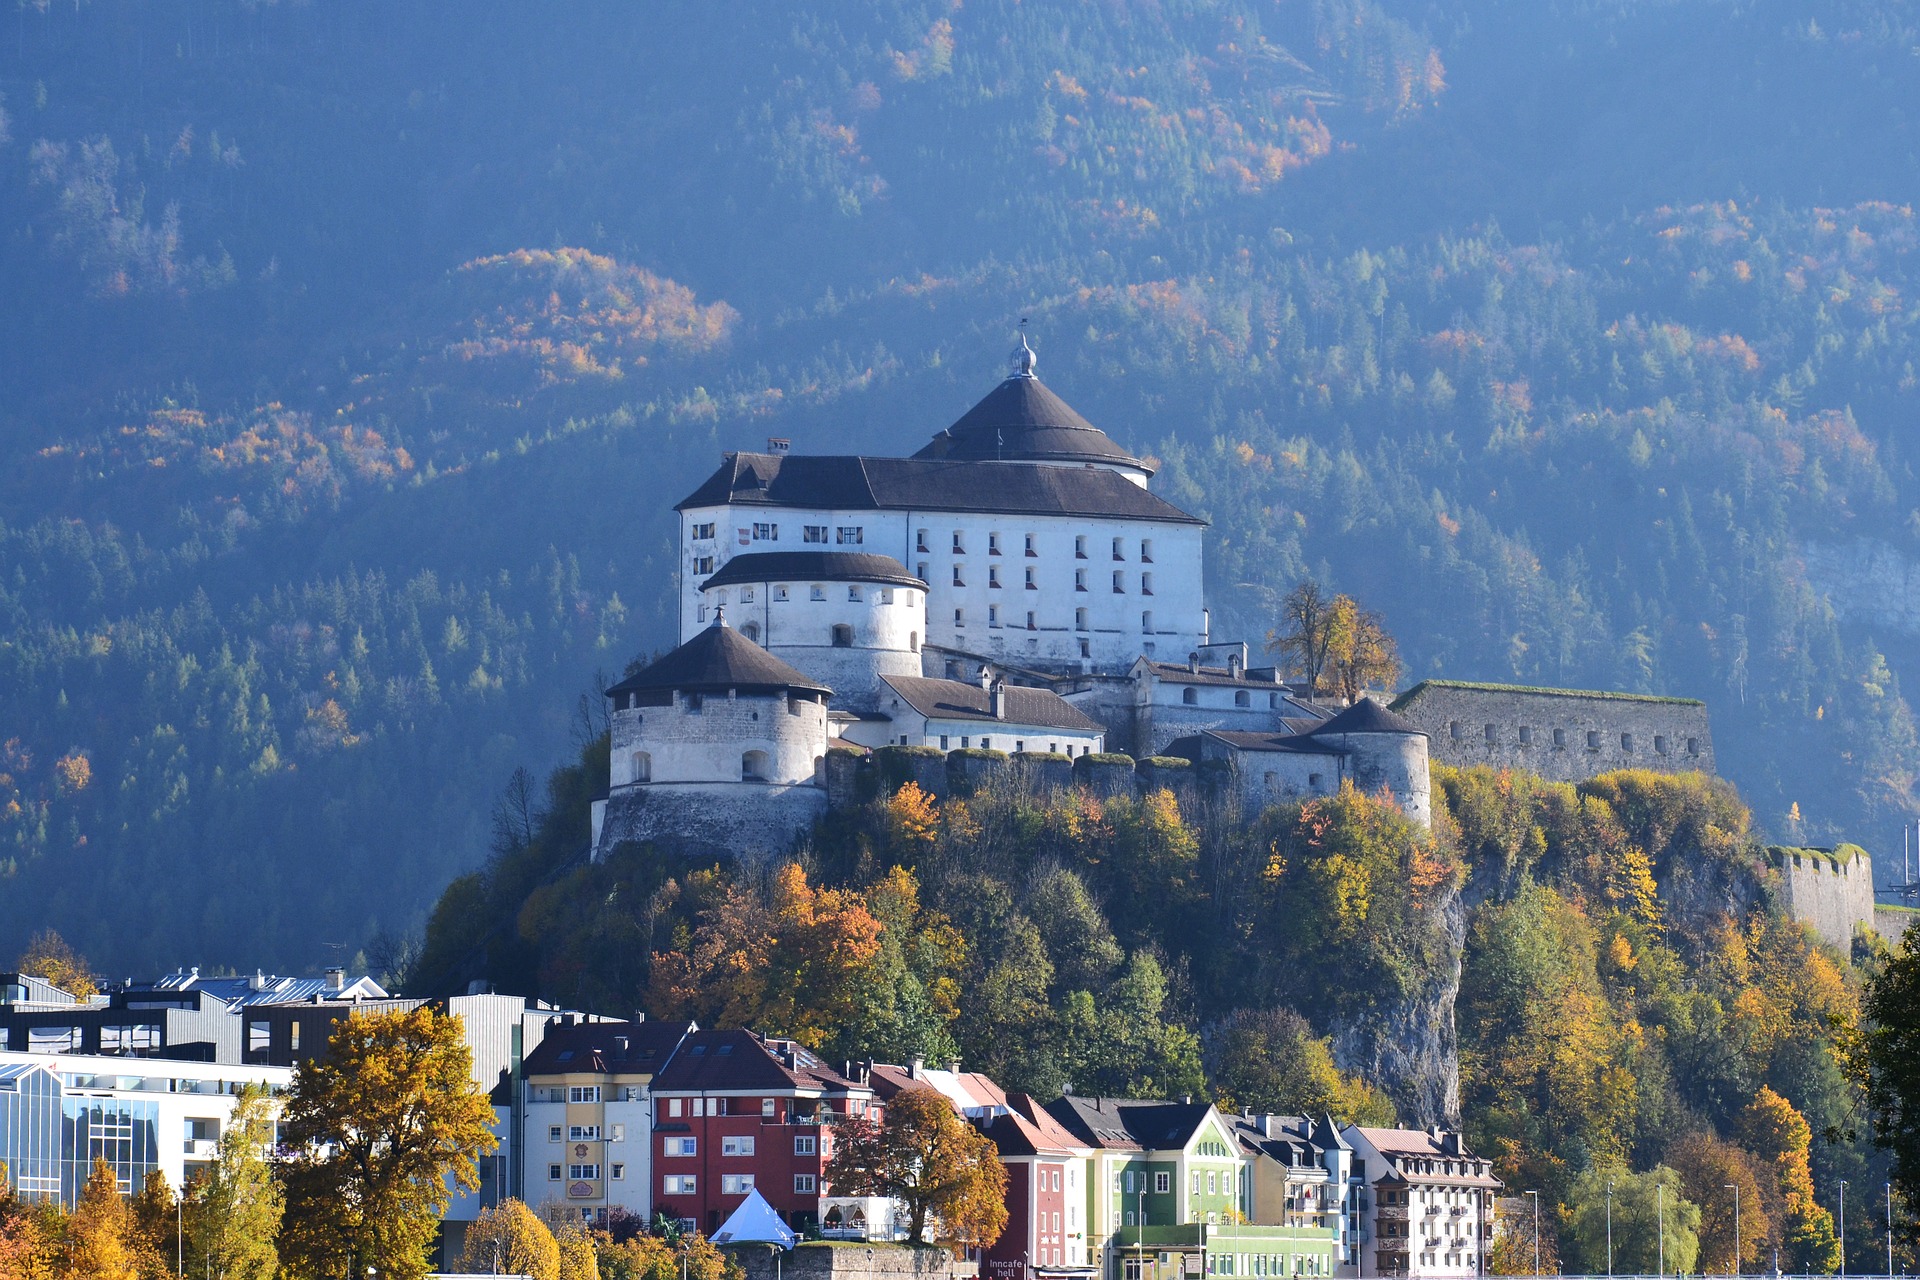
(779, 444)
(639, 1015)
(986, 676)
(1193, 663)
(336, 978)
(1236, 662)
(258, 982)
(915, 1067)
(997, 696)
(953, 1065)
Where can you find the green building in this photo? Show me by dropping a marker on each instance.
(1164, 1189)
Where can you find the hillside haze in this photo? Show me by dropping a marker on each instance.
(353, 359)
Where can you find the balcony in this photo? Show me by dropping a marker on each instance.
(1395, 1214)
(202, 1148)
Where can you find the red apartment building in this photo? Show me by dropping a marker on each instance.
(734, 1112)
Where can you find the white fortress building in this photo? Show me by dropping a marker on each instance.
(1014, 586)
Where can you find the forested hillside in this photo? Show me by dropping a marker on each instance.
(352, 358)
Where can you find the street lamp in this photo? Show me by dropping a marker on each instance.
(1609, 1226)
(1660, 1206)
(1843, 1228)
(1536, 1231)
(1736, 1226)
(1889, 1230)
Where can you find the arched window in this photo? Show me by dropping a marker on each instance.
(751, 631)
(753, 766)
(642, 767)
(842, 636)
(1241, 698)
(1190, 696)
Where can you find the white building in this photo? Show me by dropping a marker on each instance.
(60, 1112)
(1432, 1203)
(1365, 744)
(1034, 533)
(954, 715)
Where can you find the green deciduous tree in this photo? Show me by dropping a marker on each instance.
(234, 1206)
(1641, 1203)
(378, 1126)
(1887, 1056)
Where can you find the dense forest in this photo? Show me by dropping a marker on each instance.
(354, 358)
(1597, 981)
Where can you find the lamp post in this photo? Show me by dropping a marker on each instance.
(1660, 1207)
(1736, 1226)
(1843, 1228)
(1609, 1226)
(1536, 1231)
(1889, 1230)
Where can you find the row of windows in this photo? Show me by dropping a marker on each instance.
(844, 535)
(675, 1108)
(1030, 545)
(587, 1133)
(587, 1172)
(803, 1145)
(1492, 732)
(1031, 581)
(731, 1184)
(1082, 620)
(1241, 698)
(986, 744)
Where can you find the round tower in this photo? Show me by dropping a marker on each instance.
(717, 746)
(1383, 750)
(843, 618)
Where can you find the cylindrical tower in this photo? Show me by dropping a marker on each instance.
(844, 618)
(1383, 750)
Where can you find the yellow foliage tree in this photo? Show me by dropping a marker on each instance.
(1779, 1134)
(50, 956)
(100, 1243)
(913, 818)
(510, 1239)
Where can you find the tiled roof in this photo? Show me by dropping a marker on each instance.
(1368, 716)
(738, 1059)
(1285, 743)
(1180, 673)
(966, 1090)
(817, 566)
(847, 483)
(1021, 420)
(718, 658)
(960, 700)
(1128, 1123)
(606, 1048)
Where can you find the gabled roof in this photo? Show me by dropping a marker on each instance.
(1130, 1123)
(243, 991)
(1023, 1128)
(959, 700)
(966, 1090)
(1283, 743)
(740, 1059)
(1367, 716)
(849, 483)
(1021, 420)
(718, 658)
(816, 566)
(606, 1048)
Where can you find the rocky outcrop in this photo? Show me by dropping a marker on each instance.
(1410, 1048)
(1867, 581)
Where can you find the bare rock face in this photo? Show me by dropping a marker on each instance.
(1867, 581)
(1409, 1048)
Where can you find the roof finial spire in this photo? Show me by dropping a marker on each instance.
(719, 615)
(1023, 357)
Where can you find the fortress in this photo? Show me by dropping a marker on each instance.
(1014, 587)
(1013, 599)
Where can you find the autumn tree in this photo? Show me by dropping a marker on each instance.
(379, 1126)
(1776, 1132)
(783, 955)
(234, 1205)
(156, 1227)
(947, 1173)
(31, 1235)
(1708, 1167)
(1305, 631)
(578, 1261)
(511, 1239)
(1334, 644)
(50, 956)
(100, 1242)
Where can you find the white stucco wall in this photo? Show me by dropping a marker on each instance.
(795, 620)
(707, 745)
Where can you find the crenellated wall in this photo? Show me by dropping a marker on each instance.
(1829, 889)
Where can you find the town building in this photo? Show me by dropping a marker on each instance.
(589, 1126)
(734, 1112)
(59, 1112)
(1164, 1195)
(1047, 1174)
(1299, 1172)
(1430, 1202)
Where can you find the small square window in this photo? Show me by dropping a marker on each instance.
(553, 1173)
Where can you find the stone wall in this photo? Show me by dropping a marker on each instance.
(1563, 735)
(1892, 922)
(850, 1261)
(1829, 889)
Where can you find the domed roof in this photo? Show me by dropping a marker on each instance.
(718, 658)
(1021, 421)
(815, 566)
(1365, 716)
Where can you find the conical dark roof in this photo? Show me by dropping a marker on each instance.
(1021, 421)
(718, 658)
(822, 566)
(1364, 716)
